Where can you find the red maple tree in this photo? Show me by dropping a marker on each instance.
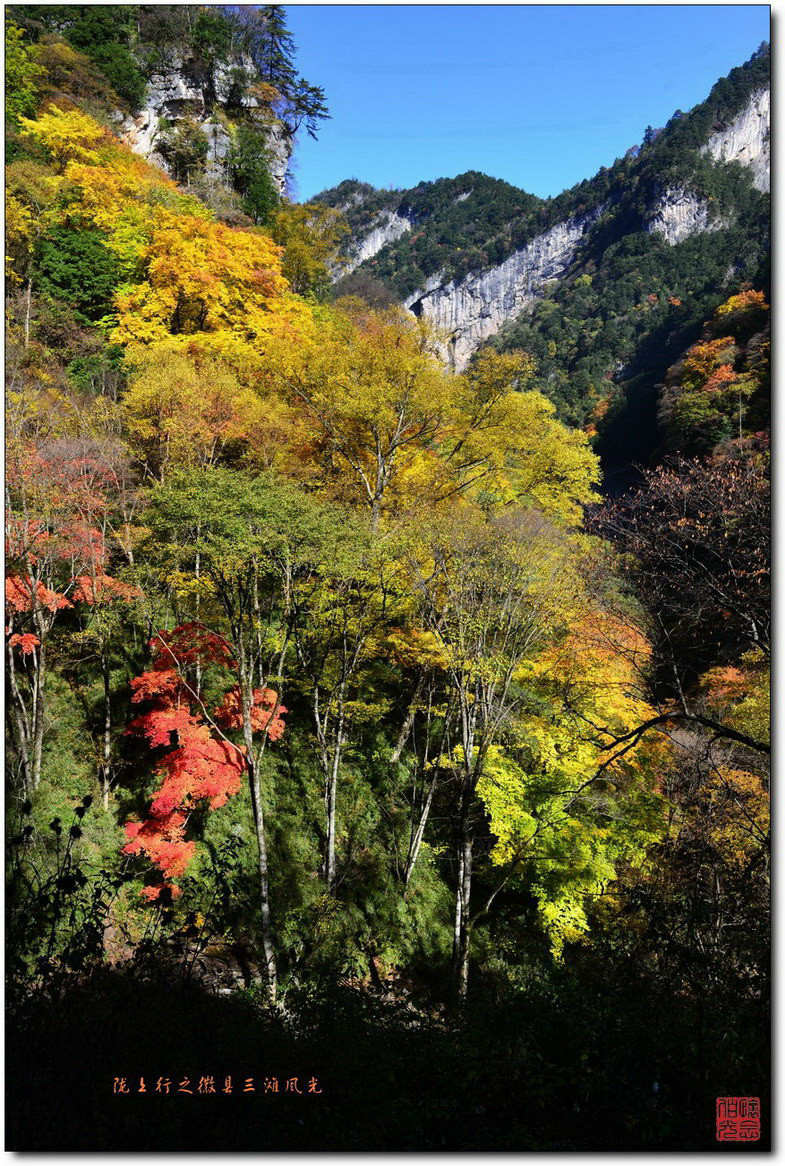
(58, 536)
(201, 763)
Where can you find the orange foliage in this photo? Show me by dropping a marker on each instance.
(196, 767)
(724, 375)
(96, 588)
(27, 642)
(203, 278)
(745, 301)
(705, 357)
(266, 712)
(22, 594)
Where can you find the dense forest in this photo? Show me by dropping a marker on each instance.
(357, 739)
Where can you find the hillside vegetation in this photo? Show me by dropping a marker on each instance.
(352, 737)
(603, 335)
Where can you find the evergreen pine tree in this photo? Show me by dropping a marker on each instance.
(276, 49)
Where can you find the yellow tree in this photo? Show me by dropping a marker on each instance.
(189, 408)
(119, 195)
(311, 236)
(393, 430)
(375, 397)
(207, 278)
(185, 275)
(19, 233)
(495, 595)
(506, 445)
(31, 207)
(69, 135)
(562, 812)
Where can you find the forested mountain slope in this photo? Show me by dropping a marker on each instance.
(344, 715)
(603, 285)
(208, 93)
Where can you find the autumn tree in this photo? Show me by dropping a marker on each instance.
(237, 545)
(534, 684)
(69, 135)
(175, 271)
(376, 400)
(506, 446)
(697, 916)
(59, 540)
(311, 236)
(718, 392)
(201, 763)
(204, 277)
(396, 432)
(563, 816)
(493, 595)
(697, 534)
(339, 614)
(189, 408)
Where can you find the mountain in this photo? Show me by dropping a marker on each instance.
(208, 93)
(605, 284)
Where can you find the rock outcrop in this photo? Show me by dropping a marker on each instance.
(183, 88)
(680, 214)
(385, 228)
(747, 139)
(472, 309)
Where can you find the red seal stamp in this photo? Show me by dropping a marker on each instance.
(738, 1119)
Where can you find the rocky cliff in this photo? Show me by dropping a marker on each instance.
(186, 89)
(680, 214)
(472, 253)
(384, 228)
(469, 311)
(747, 139)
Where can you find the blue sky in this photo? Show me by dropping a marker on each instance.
(540, 95)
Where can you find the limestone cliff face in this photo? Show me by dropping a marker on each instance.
(474, 308)
(385, 228)
(186, 88)
(680, 214)
(469, 309)
(747, 139)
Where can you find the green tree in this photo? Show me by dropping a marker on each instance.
(103, 32)
(239, 544)
(531, 664)
(77, 268)
(211, 35)
(338, 614)
(122, 72)
(185, 148)
(21, 75)
(274, 49)
(263, 32)
(249, 167)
